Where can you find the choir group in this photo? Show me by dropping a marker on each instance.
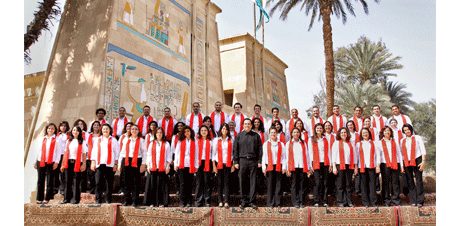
(338, 155)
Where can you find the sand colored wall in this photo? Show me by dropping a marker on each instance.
(32, 88)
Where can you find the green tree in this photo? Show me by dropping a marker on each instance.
(399, 96)
(322, 10)
(424, 121)
(48, 10)
(366, 61)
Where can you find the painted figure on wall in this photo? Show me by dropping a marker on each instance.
(159, 23)
(181, 31)
(128, 12)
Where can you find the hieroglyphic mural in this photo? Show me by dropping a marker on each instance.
(200, 62)
(159, 22)
(128, 12)
(112, 89)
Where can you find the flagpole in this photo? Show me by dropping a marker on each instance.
(262, 62)
(254, 51)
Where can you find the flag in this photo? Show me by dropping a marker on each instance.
(261, 4)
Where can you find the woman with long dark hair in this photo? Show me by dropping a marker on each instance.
(369, 166)
(204, 173)
(186, 163)
(73, 165)
(222, 163)
(321, 162)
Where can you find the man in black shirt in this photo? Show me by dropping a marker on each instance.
(247, 156)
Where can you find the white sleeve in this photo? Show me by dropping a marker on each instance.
(264, 155)
(421, 145)
(57, 150)
(84, 147)
(310, 152)
(356, 154)
(334, 154)
(284, 157)
(121, 154)
(399, 155)
(143, 151)
(115, 149)
(176, 154)
(148, 156)
(94, 150)
(197, 159)
(214, 149)
(168, 154)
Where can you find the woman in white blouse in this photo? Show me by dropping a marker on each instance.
(414, 156)
(222, 163)
(186, 164)
(273, 157)
(204, 172)
(298, 165)
(344, 161)
(130, 160)
(320, 159)
(48, 157)
(104, 162)
(369, 166)
(158, 159)
(390, 167)
(73, 165)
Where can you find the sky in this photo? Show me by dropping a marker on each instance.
(408, 28)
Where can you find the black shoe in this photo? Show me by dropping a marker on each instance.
(208, 205)
(63, 202)
(302, 206)
(350, 205)
(74, 202)
(241, 206)
(297, 206)
(419, 205)
(413, 204)
(325, 204)
(252, 205)
(181, 205)
(340, 205)
(188, 205)
(125, 204)
(316, 205)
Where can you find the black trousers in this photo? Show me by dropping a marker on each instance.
(223, 176)
(357, 183)
(416, 191)
(186, 185)
(390, 185)
(248, 177)
(132, 181)
(203, 184)
(344, 185)
(88, 180)
(60, 176)
(368, 193)
(273, 187)
(72, 190)
(154, 193)
(297, 186)
(320, 188)
(57, 180)
(104, 183)
(45, 174)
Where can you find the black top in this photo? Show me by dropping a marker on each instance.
(247, 145)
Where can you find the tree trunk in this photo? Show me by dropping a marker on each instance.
(326, 10)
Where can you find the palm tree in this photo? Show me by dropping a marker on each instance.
(47, 11)
(399, 96)
(366, 95)
(325, 8)
(366, 60)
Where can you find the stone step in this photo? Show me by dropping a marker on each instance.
(234, 200)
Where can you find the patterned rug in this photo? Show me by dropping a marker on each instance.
(163, 216)
(354, 216)
(417, 216)
(69, 214)
(261, 216)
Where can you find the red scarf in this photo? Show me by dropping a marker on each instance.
(313, 120)
(373, 133)
(305, 136)
(334, 123)
(50, 155)
(412, 152)
(357, 137)
(393, 164)
(170, 127)
(140, 123)
(361, 156)
(192, 119)
(135, 154)
(109, 151)
(206, 154)
(316, 161)
(270, 158)
(400, 135)
(176, 139)
(76, 168)
(220, 162)
(241, 120)
(342, 156)
(291, 157)
(161, 167)
(291, 124)
(283, 138)
(90, 146)
(355, 120)
(192, 155)
(115, 126)
(222, 117)
(332, 140)
(262, 136)
(147, 140)
(374, 124)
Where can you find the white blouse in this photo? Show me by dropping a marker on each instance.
(390, 151)
(215, 148)
(73, 149)
(167, 155)
(419, 147)
(57, 149)
(105, 150)
(132, 145)
(274, 148)
(346, 150)
(367, 154)
(177, 154)
(298, 154)
(320, 150)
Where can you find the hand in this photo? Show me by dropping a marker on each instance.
(83, 167)
(334, 171)
(330, 169)
(35, 166)
(288, 173)
(176, 168)
(259, 165)
(168, 168)
(214, 169)
(356, 171)
(93, 166)
(115, 167)
(308, 174)
(421, 166)
(265, 172)
(377, 169)
(284, 172)
(55, 166)
(232, 169)
(237, 166)
(119, 168)
(142, 168)
(402, 170)
(62, 169)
